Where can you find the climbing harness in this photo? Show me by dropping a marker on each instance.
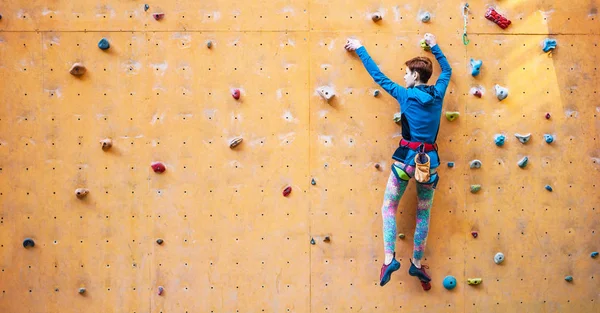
(465, 17)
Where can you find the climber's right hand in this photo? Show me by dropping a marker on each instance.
(430, 40)
(352, 44)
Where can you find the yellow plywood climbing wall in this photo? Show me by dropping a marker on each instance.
(231, 242)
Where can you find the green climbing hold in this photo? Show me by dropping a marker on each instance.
(451, 116)
(569, 278)
(424, 45)
(312, 241)
(475, 188)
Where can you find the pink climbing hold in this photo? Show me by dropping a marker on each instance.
(158, 167)
(161, 289)
(158, 16)
(287, 191)
(236, 94)
(497, 18)
(547, 116)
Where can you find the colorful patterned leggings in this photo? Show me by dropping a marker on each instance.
(393, 193)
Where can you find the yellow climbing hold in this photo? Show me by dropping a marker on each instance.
(424, 45)
(474, 281)
(451, 116)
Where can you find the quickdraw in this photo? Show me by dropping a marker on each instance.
(465, 14)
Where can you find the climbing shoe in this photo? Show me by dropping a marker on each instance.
(419, 273)
(387, 270)
(426, 286)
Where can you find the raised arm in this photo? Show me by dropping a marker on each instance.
(387, 84)
(442, 82)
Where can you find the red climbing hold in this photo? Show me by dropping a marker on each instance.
(158, 16)
(287, 191)
(158, 167)
(547, 116)
(495, 17)
(161, 289)
(377, 166)
(236, 94)
(474, 234)
(477, 93)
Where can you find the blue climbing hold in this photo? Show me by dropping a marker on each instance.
(569, 278)
(103, 44)
(548, 138)
(499, 139)
(549, 44)
(475, 67)
(450, 164)
(548, 187)
(449, 282)
(523, 162)
(594, 254)
(146, 7)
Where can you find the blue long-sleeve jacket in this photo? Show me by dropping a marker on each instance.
(421, 106)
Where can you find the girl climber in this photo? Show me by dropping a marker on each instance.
(416, 155)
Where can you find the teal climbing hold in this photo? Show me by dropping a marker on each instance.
(594, 254)
(146, 7)
(499, 139)
(523, 162)
(548, 187)
(312, 241)
(450, 164)
(549, 44)
(313, 182)
(548, 138)
(569, 278)
(449, 282)
(475, 164)
(209, 44)
(103, 44)
(376, 93)
(475, 188)
(475, 67)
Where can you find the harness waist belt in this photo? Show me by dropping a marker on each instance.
(414, 145)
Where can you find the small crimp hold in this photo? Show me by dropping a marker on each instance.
(159, 241)
(146, 7)
(548, 187)
(451, 116)
(235, 142)
(569, 278)
(326, 239)
(326, 92)
(287, 191)
(81, 192)
(158, 167)
(313, 182)
(523, 138)
(474, 281)
(401, 236)
(477, 92)
(424, 45)
(547, 116)
(523, 162)
(81, 290)
(499, 258)
(377, 166)
(548, 138)
(77, 69)
(425, 17)
(376, 93)
(28, 243)
(312, 241)
(474, 234)
(376, 17)
(475, 67)
(209, 44)
(501, 92)
(398, 118)
(450, 164)
(475, 188)
(158, 16)
(495, 17)
(161, 289)
(106, 144)
(236, 94)
(549, 44)
(499, 140)
(103, 44)
(449, 282)
(594, 254)
(475, 164)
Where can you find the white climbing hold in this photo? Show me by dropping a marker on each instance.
(501, 92)
(398, 117)
(475, 164)
(499, 258)
(326, 92)
(523, 138)
(425, 17)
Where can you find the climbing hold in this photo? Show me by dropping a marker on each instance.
(326, 92)
(475, 164)
(474, 234)
(235, 94)
(449, 282)
(401, 236)
(523, 138)
(103, 44)
(501, 92)
(547, 116)
(312, 241)
(106, 143)
(159, 241)
(475, 188)
(475, 67)
(158, 16)
(495, 17)
(548, 187)
(376, 93)
(476, 91)
(523, 162)
(398, 117)
(77, 69)
(450, 164)
(594, 254)
(376, 17)
(474, 281)
(158, 167)
(549, 44)
(569, 278)
(28, 242)
(81, 290)
(81, 192)
(146, 7)
(235, 142)
(451, 116)
(0, 16)
(287, 191)
(499, 140)
(161, 289)
(326, 239)
(499, 258)
(425, 17)
(313, 182)
(548, 138)
(377, 166)
(209, 44)
(424, 45)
